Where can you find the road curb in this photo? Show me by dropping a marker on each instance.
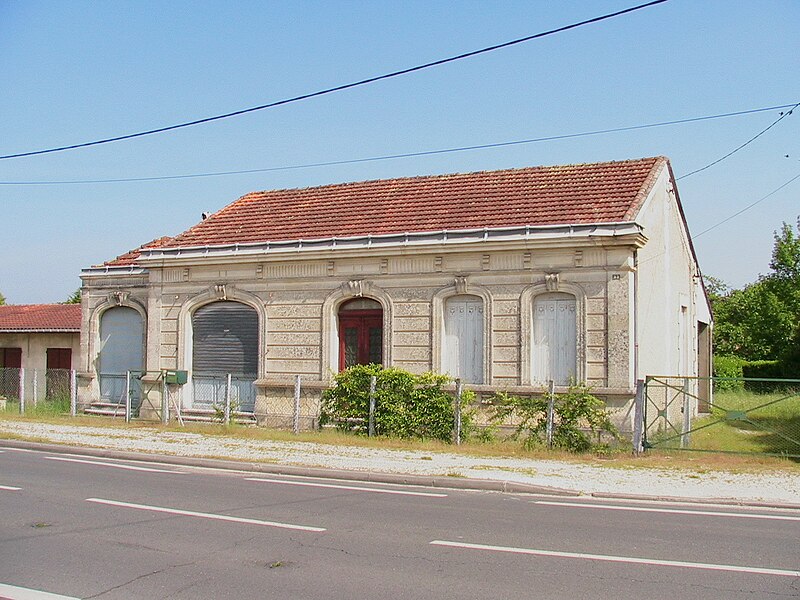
(459, 483)
(465, 483)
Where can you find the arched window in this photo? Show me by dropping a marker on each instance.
(360, 333)
(121, 350)
(224, 341)
(554, 347)
(462, 343)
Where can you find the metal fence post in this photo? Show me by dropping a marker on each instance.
(638, 419)
(127, 396)
(459, 391)
(22, 390)
(373, 382)
(686, 408)
(164, 400)
(296, 413)
(551, 399)
(226, 418)
(35, 387)
(73, 393)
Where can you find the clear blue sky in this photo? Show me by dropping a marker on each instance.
(77, 71)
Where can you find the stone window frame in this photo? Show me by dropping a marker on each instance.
(527, 302)
(113, 300)
(461, 287)
(330, 322)
(218, 293)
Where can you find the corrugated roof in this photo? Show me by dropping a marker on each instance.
(47, 317)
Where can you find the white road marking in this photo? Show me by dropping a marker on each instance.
(702, 513)
(348, 487)
(9, 488)
(191, 513)
(100, 463)
(12, 592)
(621, 559)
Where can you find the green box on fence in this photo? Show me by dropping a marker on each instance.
(176, 377)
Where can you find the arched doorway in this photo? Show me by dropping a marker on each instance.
(224, 341)
(554, 348)
(462, 343)
(360, 333)
(121, 350)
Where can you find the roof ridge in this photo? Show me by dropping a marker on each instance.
(437, 176)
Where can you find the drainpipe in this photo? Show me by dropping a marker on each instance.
(635, 316)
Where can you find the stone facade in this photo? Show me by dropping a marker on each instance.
(297, 294)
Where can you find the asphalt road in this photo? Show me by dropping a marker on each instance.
(85, 527)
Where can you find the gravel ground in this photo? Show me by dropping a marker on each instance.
(765, 487)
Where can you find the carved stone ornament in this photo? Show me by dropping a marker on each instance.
(551, 282)
(354, 287)
(220, 293)
(461, 285)
(118, 297)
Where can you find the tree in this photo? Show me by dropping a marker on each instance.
(74, 298)
(762, 320)
(2, 299)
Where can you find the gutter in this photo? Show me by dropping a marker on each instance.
(393, 240)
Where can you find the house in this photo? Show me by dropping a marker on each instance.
(504, 279)
(39, 342)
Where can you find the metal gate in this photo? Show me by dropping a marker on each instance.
(757, 416)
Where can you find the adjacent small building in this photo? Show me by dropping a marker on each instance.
(504, 279)
(42, 340)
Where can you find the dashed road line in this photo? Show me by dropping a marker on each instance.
(677, 511)
(13, 592)
(348, 487)
(9, 488)
(203, 515)
(99, 463)
(620, 559)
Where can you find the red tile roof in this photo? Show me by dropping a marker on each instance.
(573, 194)
(40, 317)
(129, 258)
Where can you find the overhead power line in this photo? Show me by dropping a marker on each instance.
(401, 155)
(338, 88)
(748, 207)
(735, 150)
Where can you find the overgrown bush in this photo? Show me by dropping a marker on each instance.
(578, 418)
(728, 367)
(406, 405)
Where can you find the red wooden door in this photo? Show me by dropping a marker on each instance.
(360, 338)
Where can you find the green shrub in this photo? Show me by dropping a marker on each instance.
(406, 405)
(578, 417)
(729, 368)
(766, 369)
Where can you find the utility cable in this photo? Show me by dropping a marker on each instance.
(402, 155)
(748, 207)
(735, 150)
(339, 87)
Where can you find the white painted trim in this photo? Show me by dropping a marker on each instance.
(409, 239)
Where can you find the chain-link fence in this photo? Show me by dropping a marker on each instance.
(753, 416)
(42, 391)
